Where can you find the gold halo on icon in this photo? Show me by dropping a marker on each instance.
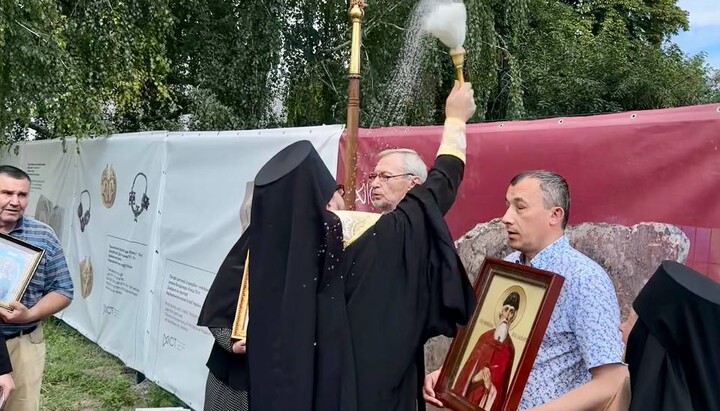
(521, 307)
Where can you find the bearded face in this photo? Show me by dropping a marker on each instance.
(108, 184)
(507, 316)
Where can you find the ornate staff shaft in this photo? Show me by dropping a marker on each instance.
(356, 13)
(458, 58)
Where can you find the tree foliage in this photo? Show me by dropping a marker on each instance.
(66, 67)
(89, 67)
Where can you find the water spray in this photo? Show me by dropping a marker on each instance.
(447, 22)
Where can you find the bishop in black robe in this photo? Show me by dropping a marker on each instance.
(397, 283)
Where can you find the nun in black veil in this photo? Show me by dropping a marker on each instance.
(673, 350)
(287, 234)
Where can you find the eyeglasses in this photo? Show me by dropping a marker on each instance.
(385, 177)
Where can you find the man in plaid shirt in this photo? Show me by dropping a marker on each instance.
(49, 291)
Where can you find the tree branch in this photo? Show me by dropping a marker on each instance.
(44, 132)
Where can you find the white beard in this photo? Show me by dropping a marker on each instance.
(501, 331)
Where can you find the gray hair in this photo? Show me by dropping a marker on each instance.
(555, 189)
(412, 163)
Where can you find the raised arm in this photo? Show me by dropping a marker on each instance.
(446, 174)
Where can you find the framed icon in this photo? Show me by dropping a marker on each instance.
(18, 262)
(489, 362)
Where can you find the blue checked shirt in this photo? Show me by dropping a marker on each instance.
(583, 330)
(52, 273)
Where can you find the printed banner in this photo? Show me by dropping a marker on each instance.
(206, 197)
(625, 168)
(145, 220)
(119, 181)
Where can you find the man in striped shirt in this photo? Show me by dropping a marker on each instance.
(49, 291)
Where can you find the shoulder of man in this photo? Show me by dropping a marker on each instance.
(573, 261)
(582, 273)
(39, 226)
(35, 224)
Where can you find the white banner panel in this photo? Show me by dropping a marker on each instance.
(119, 184)
(205, 187)
(52, 173)
(145, 221)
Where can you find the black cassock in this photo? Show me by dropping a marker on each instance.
(673, 351)
(334, 328)
(394, 287)
(218, 311)
(287, 242)
(286, 239)
(5, 365)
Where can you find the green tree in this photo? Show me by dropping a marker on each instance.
(102, 66)
(595, 61)
(224, 56)
(67, 67)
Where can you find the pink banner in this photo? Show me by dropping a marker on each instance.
(626, 168)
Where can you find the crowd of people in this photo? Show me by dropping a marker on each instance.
(342, 303)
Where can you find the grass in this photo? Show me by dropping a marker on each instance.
(80, 376)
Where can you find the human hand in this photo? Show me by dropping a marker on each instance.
(429, 388)
(7, 385)
(18, 315)
(239, 346)
(486, 377)
(460, 104)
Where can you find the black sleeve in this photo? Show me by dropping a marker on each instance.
(444, 179)
(5, 365)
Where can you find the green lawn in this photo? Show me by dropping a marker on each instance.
(79, 376)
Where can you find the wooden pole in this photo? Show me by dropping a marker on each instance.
(356, 14)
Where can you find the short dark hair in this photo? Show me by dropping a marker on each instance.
(513, 300)
(14, 172)
(555, 189)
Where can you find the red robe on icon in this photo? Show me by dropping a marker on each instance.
(498, 358)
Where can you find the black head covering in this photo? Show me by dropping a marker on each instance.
(287, 256)
(513, 300)
(286, 195)
(673, 350)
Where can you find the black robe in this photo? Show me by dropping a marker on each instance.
(5, 365)
(287, 255)
(218, 311)
(287, 238)
(673, 350)
(396, 286)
